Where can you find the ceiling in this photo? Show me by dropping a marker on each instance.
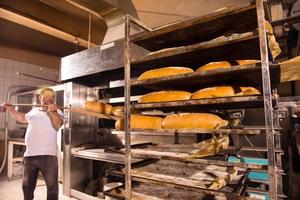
(61, 27)
(20, 37)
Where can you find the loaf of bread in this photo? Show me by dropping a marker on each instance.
(223, 91)
(165, 96)
(193, 120)
(214, 65)
(247, 62)
(165, 71)
(209, 147)
(98, 107)
(140, 122)
(211, 92)
(119, 111)
(248, 91)
(219, 183)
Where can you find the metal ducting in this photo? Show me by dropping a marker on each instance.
(112, 11)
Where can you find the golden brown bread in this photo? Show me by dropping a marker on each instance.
(140, 122)
(247, 62)
(272, 43)
(210, 147)
(98, 107)
(165, 71)
(214, 65)
(219, 183)
(165, 96)
(118, 111)
(248, 91)
(193, 120)
(223, 91)
(211, 92)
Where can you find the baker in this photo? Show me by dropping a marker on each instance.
(40, 139)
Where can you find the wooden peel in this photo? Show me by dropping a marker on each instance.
(38, 105)
(285, 71)
(75, 110)
(31, 105)
(290, 70)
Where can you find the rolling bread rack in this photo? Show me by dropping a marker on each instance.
(148, 40)
(186, 43)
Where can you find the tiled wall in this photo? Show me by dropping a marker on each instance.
(8, 77)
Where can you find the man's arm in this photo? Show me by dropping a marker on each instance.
(19, 116)
(56, 120)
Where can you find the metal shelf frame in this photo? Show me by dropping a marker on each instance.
(274, 161)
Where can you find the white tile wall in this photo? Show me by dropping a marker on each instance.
(8, 77)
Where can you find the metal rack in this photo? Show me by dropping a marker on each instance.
(187, 42)
(187, 51)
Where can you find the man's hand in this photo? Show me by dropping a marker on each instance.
(7, 107)
(20, 117)
(54, 116)
(52, 108)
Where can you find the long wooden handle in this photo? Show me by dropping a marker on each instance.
(37, 105)
(290, 70)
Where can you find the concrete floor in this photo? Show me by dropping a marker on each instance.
(12, 190)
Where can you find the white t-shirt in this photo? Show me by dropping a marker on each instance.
(41, 136)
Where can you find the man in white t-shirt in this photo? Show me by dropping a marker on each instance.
(40, 139)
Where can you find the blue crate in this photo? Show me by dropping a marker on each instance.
(254, 175)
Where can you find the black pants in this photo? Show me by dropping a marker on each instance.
(48, 166)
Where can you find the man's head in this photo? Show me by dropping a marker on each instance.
(47, 96)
